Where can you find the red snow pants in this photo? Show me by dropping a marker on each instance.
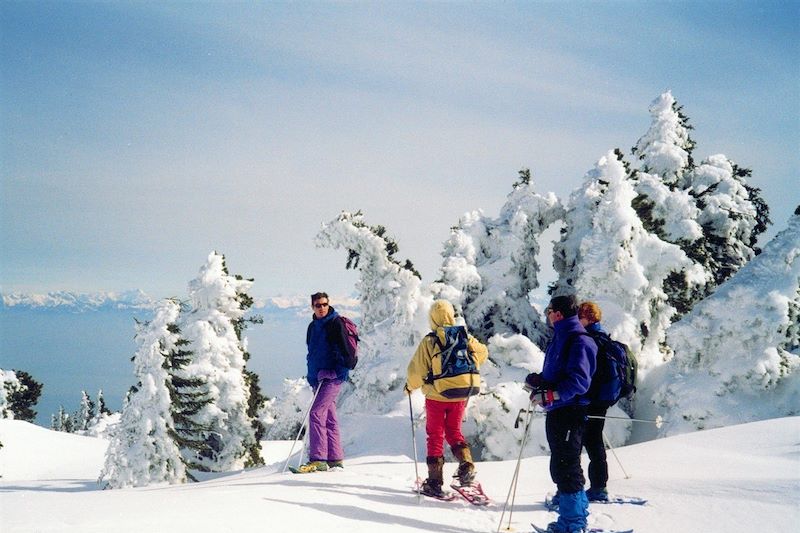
(443, 422)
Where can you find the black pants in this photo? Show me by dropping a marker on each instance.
(595, 447)
(565, 427)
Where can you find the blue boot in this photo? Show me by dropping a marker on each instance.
(573, 508)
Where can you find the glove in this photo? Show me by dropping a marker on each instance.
(406, 389)
(534, 381)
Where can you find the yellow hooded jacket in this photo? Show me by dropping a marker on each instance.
(441, 314)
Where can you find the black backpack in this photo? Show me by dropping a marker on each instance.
(615, 374)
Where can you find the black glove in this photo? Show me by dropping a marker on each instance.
(534, 381)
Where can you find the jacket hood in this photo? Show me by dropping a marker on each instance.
(441, 314)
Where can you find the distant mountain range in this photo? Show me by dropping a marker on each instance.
(138, 300)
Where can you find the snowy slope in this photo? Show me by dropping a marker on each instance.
(737, 479)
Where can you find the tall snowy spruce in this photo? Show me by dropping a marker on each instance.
(709, 210)
(142, 450)
(490, 265)
(740, 346)
(394, 310)
(605, 254)
(217, 368)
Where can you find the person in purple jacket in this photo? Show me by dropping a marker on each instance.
(569, 362)
(326, 373)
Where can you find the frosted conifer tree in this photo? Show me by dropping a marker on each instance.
(666, 149)
(393, 305)
(218, 361)
(188, 394)
(709, 210)
(731, 213)
(63, 421)
(85, 412)
(8, 384)
(142, 450)
(739, 346)
(102, 409)
(490, 265)
(663, 202)
(606, 255)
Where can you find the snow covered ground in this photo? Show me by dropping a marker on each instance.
(742, 478)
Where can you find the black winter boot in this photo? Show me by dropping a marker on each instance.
(433, 485)
(466, 468)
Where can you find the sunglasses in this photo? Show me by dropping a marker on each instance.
(320, 306)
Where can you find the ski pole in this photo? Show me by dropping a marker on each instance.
(658, 421)
(610, 447)
(302, 425)
(414, 445)
(515, 477)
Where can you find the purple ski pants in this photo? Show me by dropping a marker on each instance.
(325, 443)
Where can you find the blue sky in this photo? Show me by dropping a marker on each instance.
(136, 137)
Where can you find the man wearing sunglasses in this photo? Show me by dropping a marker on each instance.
(569, 363)
(326, 373)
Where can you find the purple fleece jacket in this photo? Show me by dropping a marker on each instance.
(571, 372)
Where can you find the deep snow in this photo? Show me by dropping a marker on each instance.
(742, 478)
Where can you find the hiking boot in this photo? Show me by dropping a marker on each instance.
(432, 487)
(313, 466)
(465, 473)
(597, 495)
(466, 468)
(335, 465)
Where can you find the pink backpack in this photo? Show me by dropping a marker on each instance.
(350, 341)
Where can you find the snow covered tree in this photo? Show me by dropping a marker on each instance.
(283, 414)
(709, 210)
(142, 450)
(731, 213)
(606, 255)
(85, 412)
(217, 366)
(62, 421)
(739, 346)
(666, 149)
(663, 202)
(490, 265)
(8, 384)
(19, 393)
(102, 409)
(188, 395)
(393, 305)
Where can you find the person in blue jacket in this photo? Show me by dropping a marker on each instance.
(326, 373)
(569, 363)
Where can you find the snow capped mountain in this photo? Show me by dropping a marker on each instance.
(80, 302)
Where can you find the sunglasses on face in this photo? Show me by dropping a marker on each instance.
(320, 305)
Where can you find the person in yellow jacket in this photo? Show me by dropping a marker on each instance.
(445, 396)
